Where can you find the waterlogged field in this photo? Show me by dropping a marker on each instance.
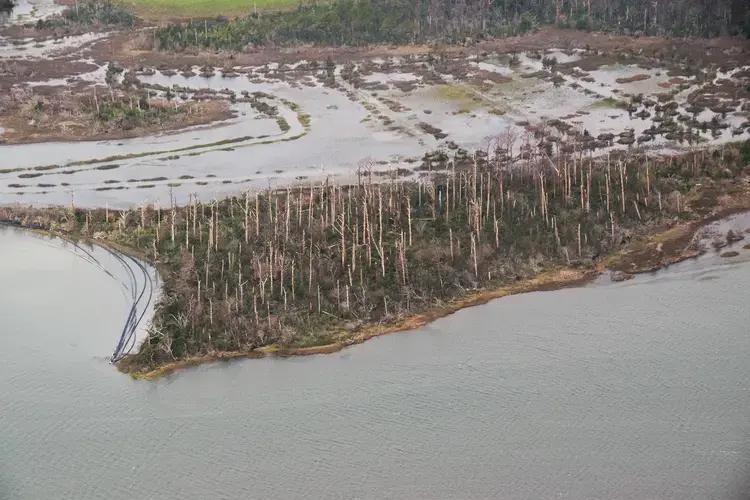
(397, 117)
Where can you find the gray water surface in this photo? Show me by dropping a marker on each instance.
(636, 390)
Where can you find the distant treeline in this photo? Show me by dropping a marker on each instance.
(360, 22)
(342, 22)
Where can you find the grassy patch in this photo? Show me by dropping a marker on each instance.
(464, 96)
(610, 102)
(185, 9)
(283, 125)
(455, 92)
(304, 119)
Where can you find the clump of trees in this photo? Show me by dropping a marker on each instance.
(130, 110)
(649, 17)
(296, 266)
(6, 6)
(348, 22)
(91, 13)
(360, 22)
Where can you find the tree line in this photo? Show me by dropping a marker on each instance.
(360, 22)
(341, 22)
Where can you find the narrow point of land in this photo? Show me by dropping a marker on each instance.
(675, 237)
(651, 252)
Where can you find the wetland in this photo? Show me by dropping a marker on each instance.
(290, 183)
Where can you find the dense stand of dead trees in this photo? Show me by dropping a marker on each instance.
(291, 266)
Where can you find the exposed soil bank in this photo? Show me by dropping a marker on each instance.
(669, 243)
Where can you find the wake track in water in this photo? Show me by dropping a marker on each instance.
(138, 285)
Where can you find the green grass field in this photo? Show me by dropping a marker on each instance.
(186, 9)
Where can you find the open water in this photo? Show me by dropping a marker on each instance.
(635, 390)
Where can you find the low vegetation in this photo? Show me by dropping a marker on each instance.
(97, 114)
(610, 102)
(729, 254)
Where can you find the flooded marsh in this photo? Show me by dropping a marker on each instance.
(381, 115)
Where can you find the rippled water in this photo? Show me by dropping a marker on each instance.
(635, 390)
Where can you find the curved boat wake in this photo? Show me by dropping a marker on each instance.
(141, 294)
(137, 285)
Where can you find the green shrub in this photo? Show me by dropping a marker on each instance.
(745, 153)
